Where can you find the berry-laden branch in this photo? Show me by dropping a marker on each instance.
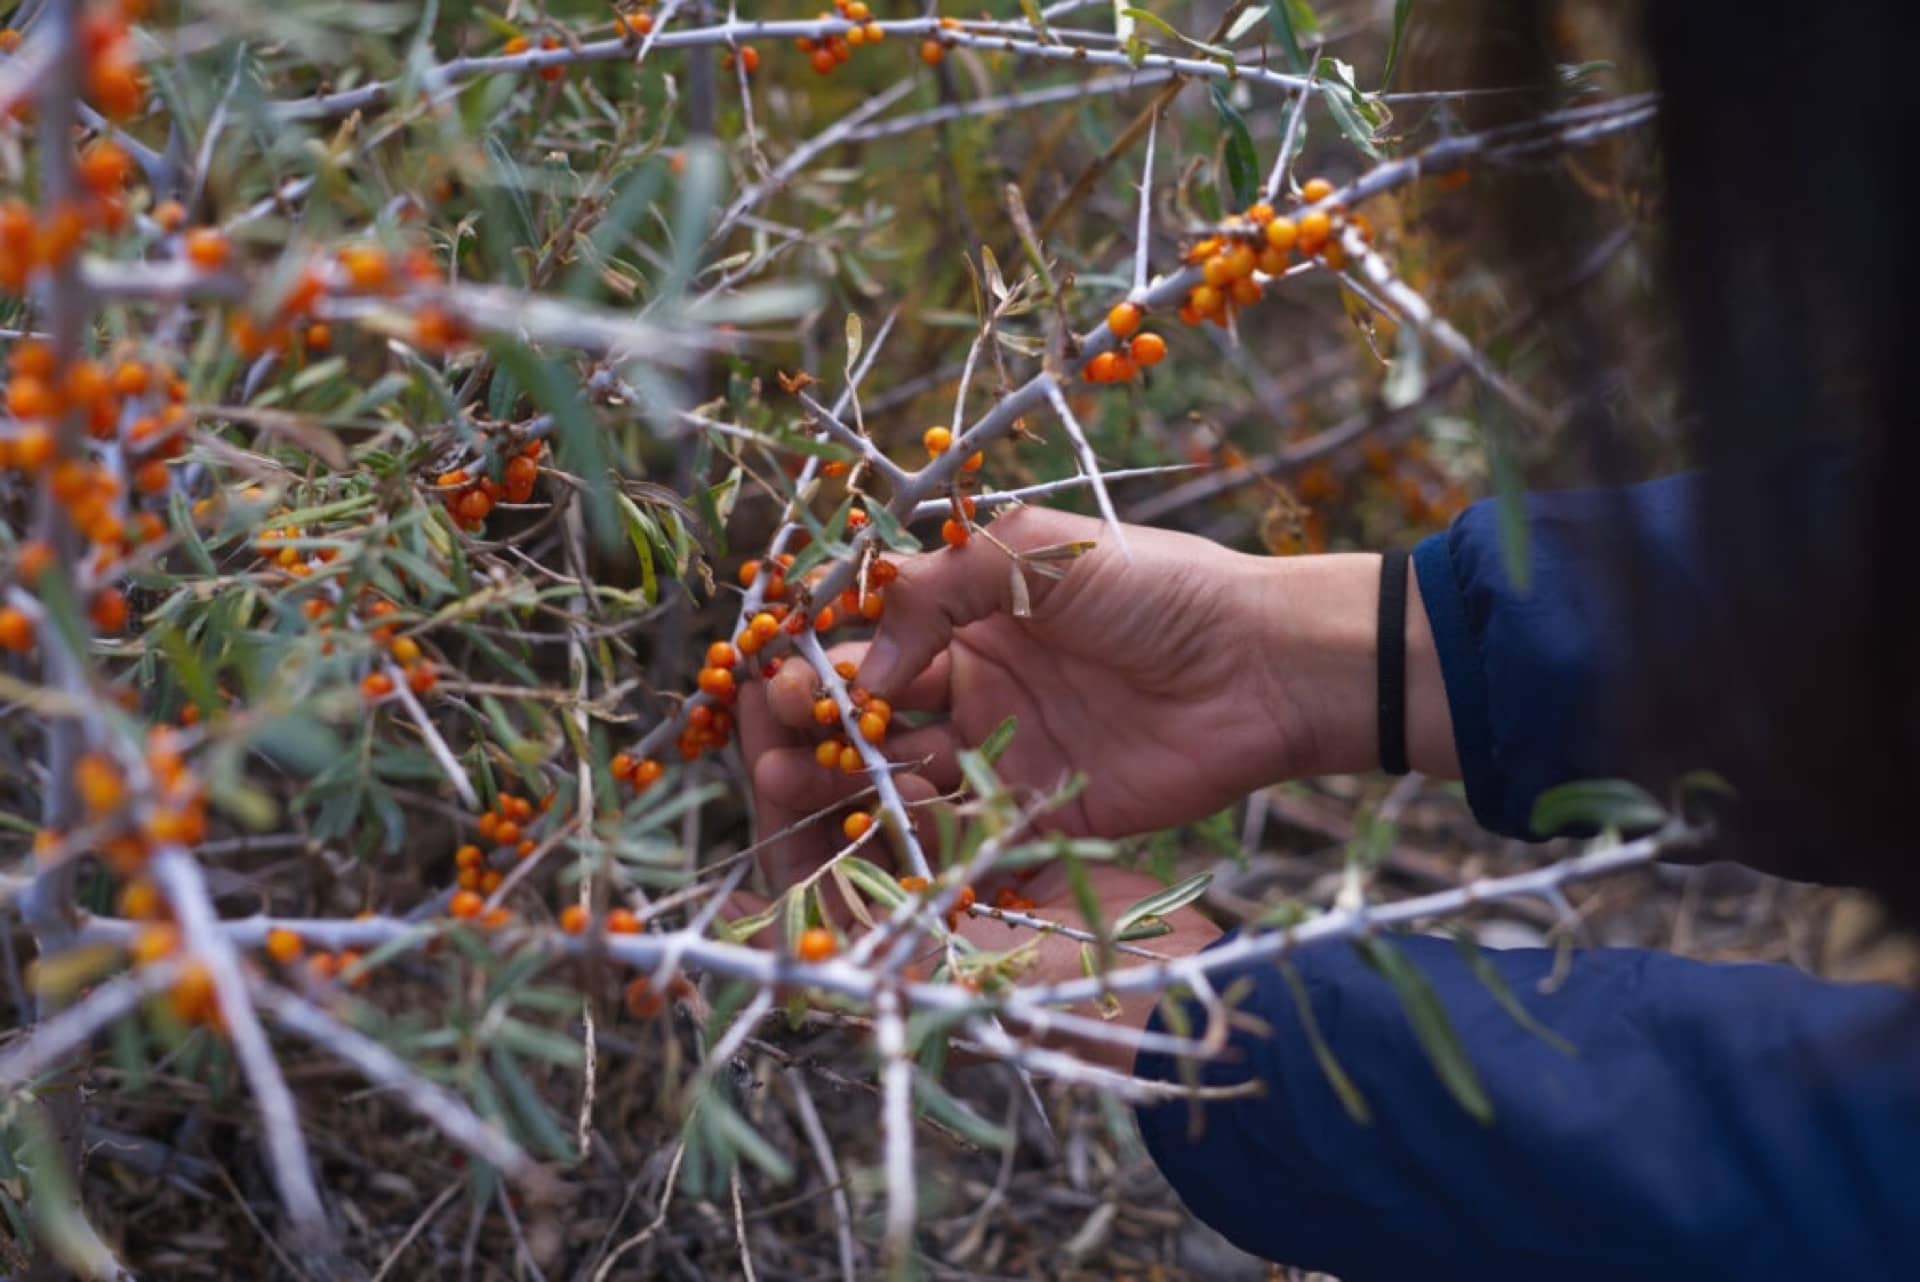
(127, 456)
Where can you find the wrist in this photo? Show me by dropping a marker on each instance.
(1317, 666)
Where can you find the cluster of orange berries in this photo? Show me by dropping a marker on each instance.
(641, 773)
(1138, 350)
(470, 499)
(875, 717)
(172, 812)
(576, 920)
(114, 82)
(286, 948)
(362, 268)
(954, 531)
(830, 52)
(1264, 241)
(520, 44)
(30, 244)
(192, 999)
(504, 826)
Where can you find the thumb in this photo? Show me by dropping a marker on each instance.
(938, 592)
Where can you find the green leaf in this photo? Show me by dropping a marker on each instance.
(996, 742)
(935, 1101)
(536, 1123)
(642, 533)
(1248, 19)
(637, 194)
(1401, 8)
(1356, 115)
(889, 531)
(1243, 166)
(1596, 804)
(1496, 984)
(1350, 1097)
(744, 1139)
(1281, 20)
(1431, 1027)
(873, 882)
(1162, 902)
(1175, 34)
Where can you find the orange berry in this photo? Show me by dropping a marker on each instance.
(764, 625)
(207, 248)
(621, 766)
(932, 52)
(506, 833)
(913, 885)
(1148, 349)
(1239, 261)
(623, 921)
(872, 728)
(850, 762)
(1273, 262)
(640, 999)
(953, 533)
(404, 650)
(857, 825)
(193, 998)
(1260, 214)
(468, 856)
(1282, 233)
(1314, 231)
(98, 781)
(647, 773)
(636, 24)
(1206, 300)
(823, 60)
(465, 904)
(816, 943)
(170, 215)
(827, 753)
(938, 440)
(152, 477)
(376, 685)
(16, 630)
(104, 167)
(154, 943)
(716, 682)
(1245, 292)
(825, 712)
(721, 655)
(422, 677)
(1315, 190)
(474, 505)
(551, 74)
(367, 268)
(872, 607)
(109, 610)
(1105, 368)
(140, 901)
(284, 946)
(574, 919)
(495, 918)
(1123, 319)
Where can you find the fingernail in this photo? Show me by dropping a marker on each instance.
(877, 671)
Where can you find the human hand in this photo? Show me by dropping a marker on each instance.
(1177, 678)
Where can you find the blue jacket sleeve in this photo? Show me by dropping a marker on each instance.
(1713, 1122)
(1534, 672)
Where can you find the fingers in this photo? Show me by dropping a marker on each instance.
(939, 592)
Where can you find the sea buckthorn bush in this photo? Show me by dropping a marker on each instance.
(422, 422)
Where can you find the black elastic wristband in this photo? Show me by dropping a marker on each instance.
(1393, 661)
